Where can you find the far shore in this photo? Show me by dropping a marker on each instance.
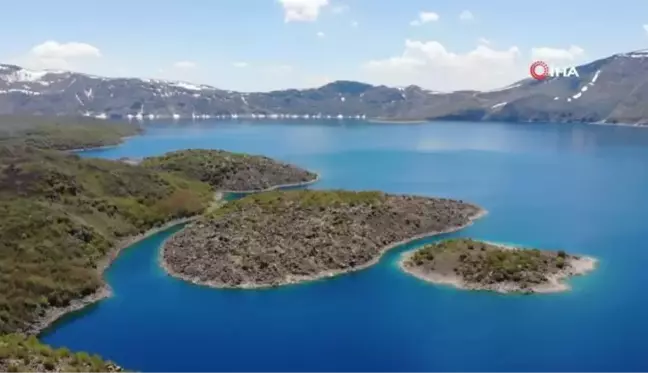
(397, 121)
(556, 282)
(293, 280)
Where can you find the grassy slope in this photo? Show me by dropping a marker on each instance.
(21, 353)
(229, 171)
(60, 215)
(63, 133)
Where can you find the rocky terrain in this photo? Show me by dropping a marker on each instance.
(277, 238)
(475, 265)
(226, 171)
(609, 90)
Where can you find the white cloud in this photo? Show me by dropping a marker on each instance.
(432, 65)
(484, 41)
(355, 24)
(54, 55)
(320, 35)
(302, 10)
(339, 9)
(185, 65)
(573, 53)
(645, 27)
(240, 64)
(466, 15)
(425, 17)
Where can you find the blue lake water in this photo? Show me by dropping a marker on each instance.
(579, 188)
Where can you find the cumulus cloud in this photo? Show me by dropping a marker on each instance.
(432, 65)
(425, 17)
(466, 15)
(645, 27)
(320, 35)
(55, 55)
(240, 64)
(572, 53)
(302, 10)
(185, 65)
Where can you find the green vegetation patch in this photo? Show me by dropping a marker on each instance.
(26, 354)
(63, 133)
(277, 201)
(484, 263)
(229, 171)
(60, 215)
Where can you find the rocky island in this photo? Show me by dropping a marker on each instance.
(277, 238)
(231, 172)
(475, 265)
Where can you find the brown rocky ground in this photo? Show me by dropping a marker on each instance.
(276, 238)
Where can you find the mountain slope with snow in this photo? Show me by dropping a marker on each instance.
(610, 90)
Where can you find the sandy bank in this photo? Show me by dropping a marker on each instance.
(555, 282)
(291, 280)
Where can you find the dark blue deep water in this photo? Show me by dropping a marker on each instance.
(579, 188)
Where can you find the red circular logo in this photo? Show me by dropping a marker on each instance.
(539, 70)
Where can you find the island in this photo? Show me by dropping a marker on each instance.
(284, 237)
(232, 172)
(476, 265)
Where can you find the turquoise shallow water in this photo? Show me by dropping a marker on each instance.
(580, 188)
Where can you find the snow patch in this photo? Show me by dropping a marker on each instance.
(22, 91)
(498, 105)
(24, 75)
(556, 98)
(79, 99)
(342, 99)
(577, 96)
(596, 75)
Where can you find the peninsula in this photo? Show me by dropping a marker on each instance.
(231, 172)
(277, 238)
(64, 218)
(475, 265)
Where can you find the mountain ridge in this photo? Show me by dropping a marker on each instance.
(608, 90)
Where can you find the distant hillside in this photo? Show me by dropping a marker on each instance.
(63, 133)
(610, 90)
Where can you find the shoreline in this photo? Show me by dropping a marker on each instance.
(280, 186)
(105, 291)
(556, 282)
(396, 121)
(294, 280)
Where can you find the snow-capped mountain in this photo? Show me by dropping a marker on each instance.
(613, 89)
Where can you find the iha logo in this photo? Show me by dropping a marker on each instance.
(540, 71)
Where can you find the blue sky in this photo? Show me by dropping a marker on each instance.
(271, 44)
